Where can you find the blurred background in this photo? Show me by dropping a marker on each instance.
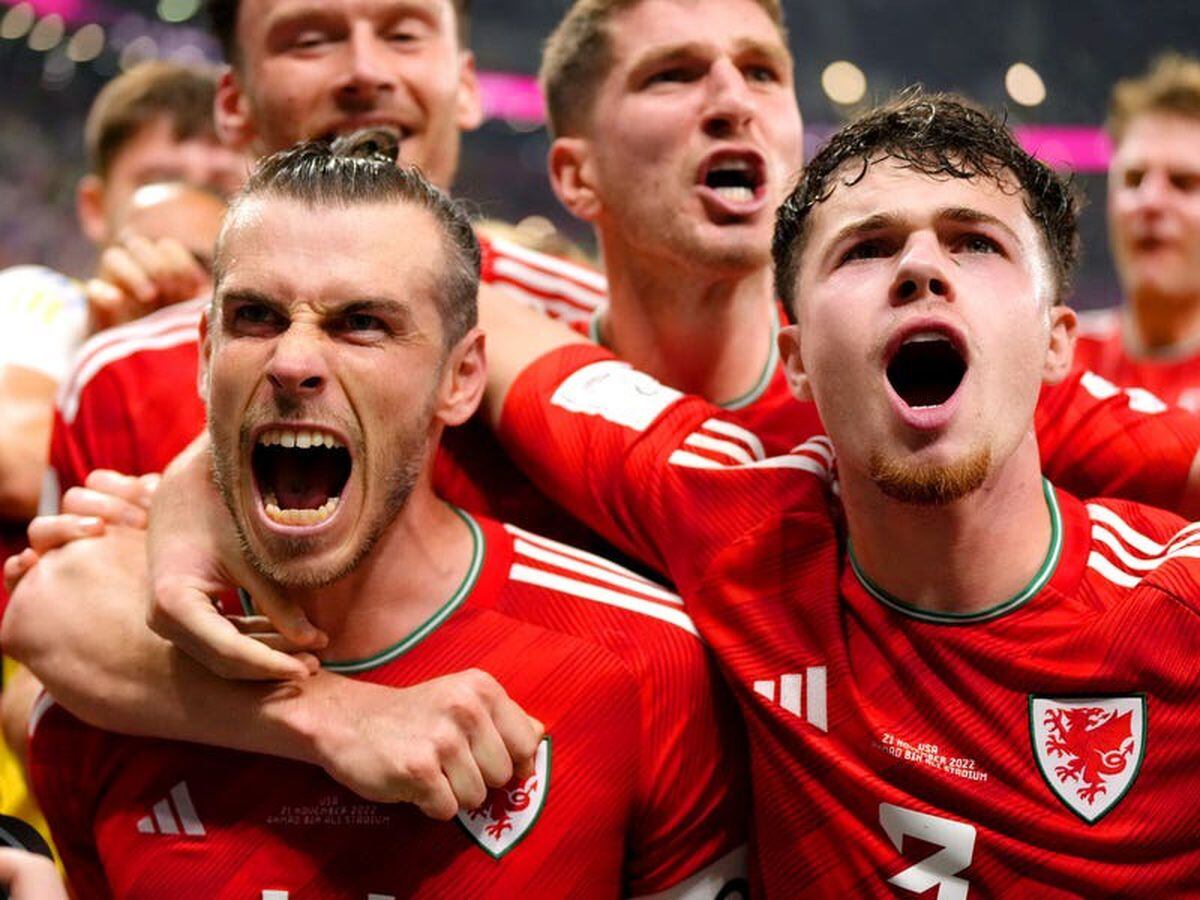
(1050, 63)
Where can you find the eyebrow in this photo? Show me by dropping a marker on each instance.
(691, 49)
(963, 215)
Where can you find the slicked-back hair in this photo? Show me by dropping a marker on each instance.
(1171, 86)
(361, 169)
(578, 55)
(223, 14)
(150, 91)
(942, 136)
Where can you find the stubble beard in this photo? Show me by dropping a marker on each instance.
(278, 568)
(930, 484)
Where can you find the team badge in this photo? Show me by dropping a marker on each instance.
(505, 817)
(1089, 750)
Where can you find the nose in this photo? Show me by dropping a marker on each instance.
(1151, 191)
(922, 272)
(296, 369)
(730, 107)
(369, 70)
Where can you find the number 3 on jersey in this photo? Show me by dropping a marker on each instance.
(940, 869)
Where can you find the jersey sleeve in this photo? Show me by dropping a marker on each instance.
(662, 476)
(64, 773)
(1098, 440)
(93, 429)
(43, 320)
(689, 836)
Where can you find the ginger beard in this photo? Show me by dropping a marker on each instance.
(930, 484)
(238, 463)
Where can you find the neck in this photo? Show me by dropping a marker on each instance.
(1158, 324)
(964, 557)
(412, 571)
(700, 332)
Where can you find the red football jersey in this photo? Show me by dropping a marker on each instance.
(1101, 347)
(638, 788)
(1042, 748)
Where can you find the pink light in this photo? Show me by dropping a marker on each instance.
(70, 10)
(1079, 148)
(516, 98)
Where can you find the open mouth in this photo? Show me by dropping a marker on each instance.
(738, 178)
(399, 132)
(926, 369)
(300, 474)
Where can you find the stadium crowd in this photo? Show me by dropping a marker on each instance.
(809, 544)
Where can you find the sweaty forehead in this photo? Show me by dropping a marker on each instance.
(654, 28)
(891, 190)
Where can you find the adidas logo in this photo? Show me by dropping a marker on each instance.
(173, 814)
(791, 688)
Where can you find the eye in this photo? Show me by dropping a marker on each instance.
(310, 39)
(762, 74)
(361, 324)
(978, 243)
(871, 248)
(402, 36)
(255, 319)
(1133, 177)
(673, 75)
(1185, 182)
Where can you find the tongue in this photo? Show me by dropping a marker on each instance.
(301, 484)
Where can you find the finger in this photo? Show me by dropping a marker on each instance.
(17, 567)
(199, 630)
(107, 304)
(288, 618)
(149, 258)
(118, 267)
(82, 501)
(437, 800)
(520, 732)
(190, 279)
(48, 533)
(466, 781)
(135, 489)
(491, 754)
(29, 875)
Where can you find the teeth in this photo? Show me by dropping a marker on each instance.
(298, 437)
(735, 193)
(301, 517)
(926, 337)
(732, 165)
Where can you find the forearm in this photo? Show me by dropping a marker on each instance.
(26, 417)
(77, 621)
(516, 336)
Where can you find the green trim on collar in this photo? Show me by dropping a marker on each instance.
(1040, 579)
(760, 386)
(431, 624)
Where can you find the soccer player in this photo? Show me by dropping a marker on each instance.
(328, 388)
(676, 134)
(977, 683)
(297, 71)
(152, 124)
(1154, 224)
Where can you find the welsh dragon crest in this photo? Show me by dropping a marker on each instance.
(507, 813)
(1089, 750)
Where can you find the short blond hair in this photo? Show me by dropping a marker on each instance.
(578, 56)
(1171, 86)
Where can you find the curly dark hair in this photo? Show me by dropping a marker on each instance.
(222, 20)
(940, 135)
(361, 168)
